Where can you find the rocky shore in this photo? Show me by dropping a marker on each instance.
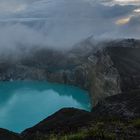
(110, 71)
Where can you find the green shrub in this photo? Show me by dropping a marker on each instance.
(136, 123)
(77, 136)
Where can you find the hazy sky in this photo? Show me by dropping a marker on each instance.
(66, 22)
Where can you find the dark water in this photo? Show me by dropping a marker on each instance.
(23, 104)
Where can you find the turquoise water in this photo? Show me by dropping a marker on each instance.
(23, 104)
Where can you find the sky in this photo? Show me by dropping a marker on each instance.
(63, 23)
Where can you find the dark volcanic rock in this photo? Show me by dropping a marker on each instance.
(115, 113)
(127, 62)
(125, 106)
(8, 135)
(64, 121)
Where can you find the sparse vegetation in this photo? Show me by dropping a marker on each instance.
(102, 130)
(136, 123)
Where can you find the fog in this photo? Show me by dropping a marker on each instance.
(63, 23)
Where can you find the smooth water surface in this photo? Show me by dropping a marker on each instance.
(23, 104)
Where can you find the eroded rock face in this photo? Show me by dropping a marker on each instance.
(105, 78)
(127, 62)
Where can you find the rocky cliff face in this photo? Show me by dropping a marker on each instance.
(104, 71)
(104, 77)
(86, 66)
(127, 61)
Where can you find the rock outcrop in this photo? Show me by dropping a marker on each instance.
(86, 66)
(123, 106)
(127, 62)
(104, 71)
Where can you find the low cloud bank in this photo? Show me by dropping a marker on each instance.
(62, 23)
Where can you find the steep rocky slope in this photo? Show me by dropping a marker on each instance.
(127, 61)
(62, 122)
(124, 106)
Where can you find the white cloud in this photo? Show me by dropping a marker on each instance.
(7, 6)
(63, 23)
(121, 2)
